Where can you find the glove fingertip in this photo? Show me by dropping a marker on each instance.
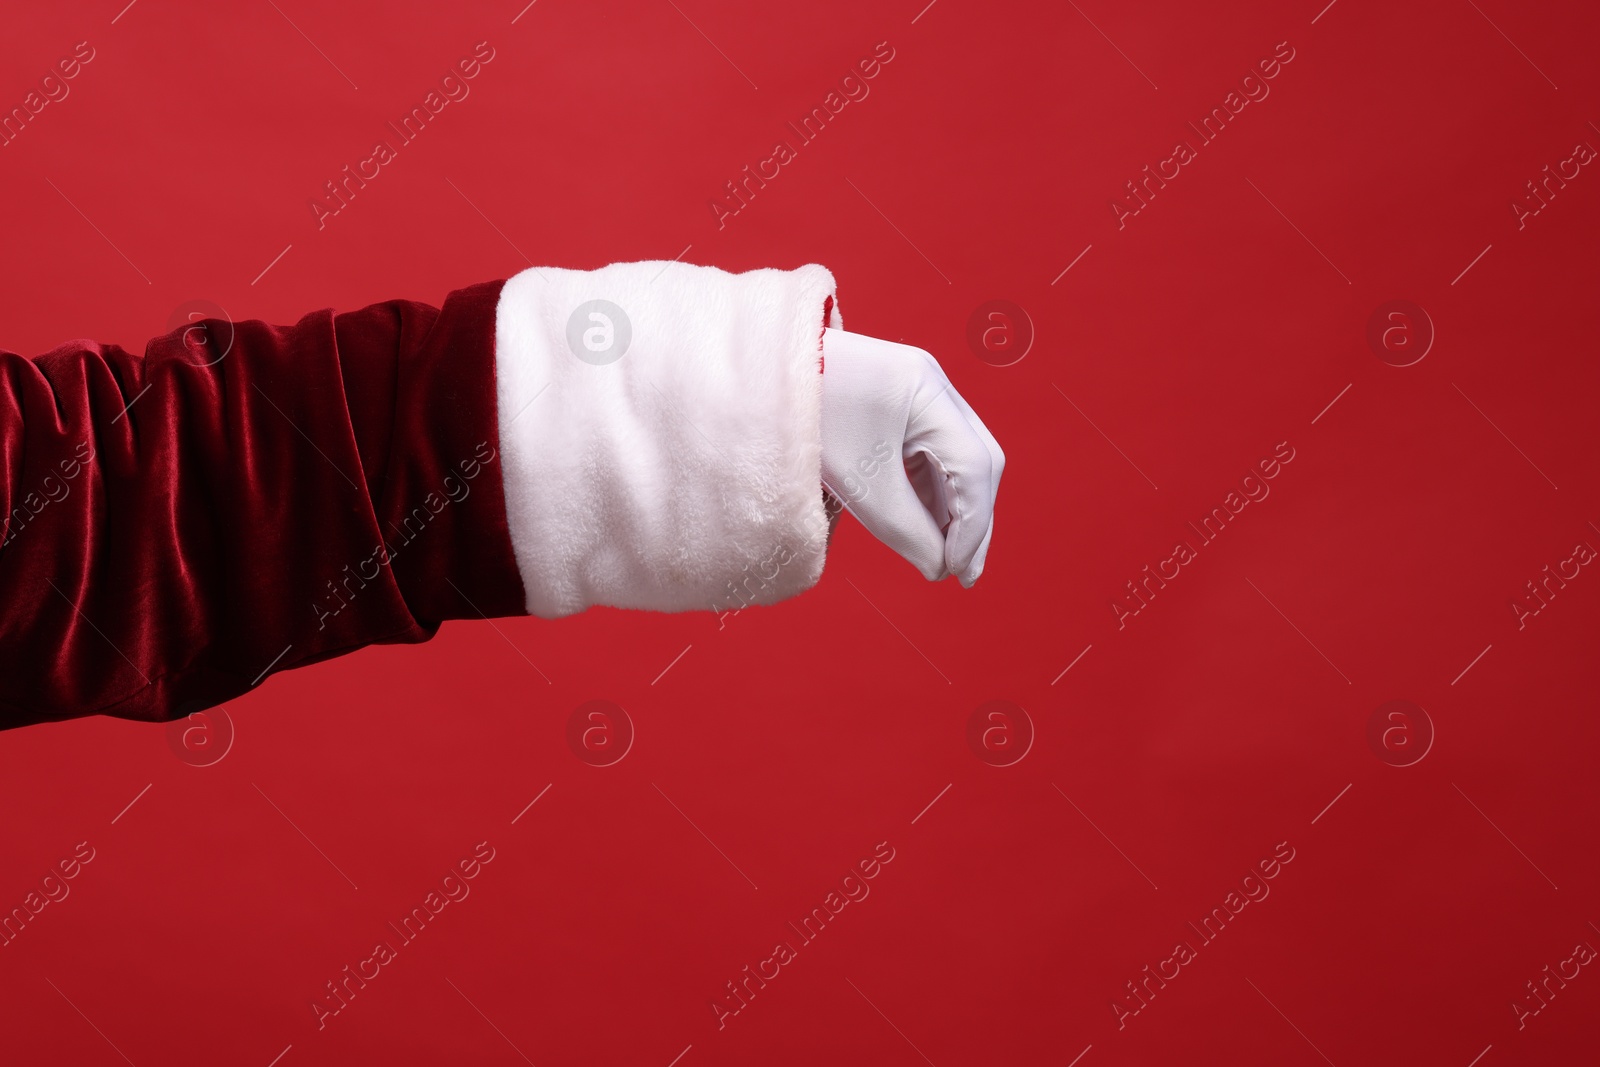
(974, 571)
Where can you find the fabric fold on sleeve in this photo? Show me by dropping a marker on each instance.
(242, 498)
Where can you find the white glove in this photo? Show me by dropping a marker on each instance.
(906, 455)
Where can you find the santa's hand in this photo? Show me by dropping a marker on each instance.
(906, 454)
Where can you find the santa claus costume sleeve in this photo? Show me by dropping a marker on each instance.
(244, 498)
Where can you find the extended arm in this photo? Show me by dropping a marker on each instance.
(242, 498)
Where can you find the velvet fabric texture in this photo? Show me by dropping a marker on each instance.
(242, 499)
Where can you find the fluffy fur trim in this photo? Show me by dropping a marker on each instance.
(659, 428)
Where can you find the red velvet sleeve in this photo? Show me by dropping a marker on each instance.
(242, 499)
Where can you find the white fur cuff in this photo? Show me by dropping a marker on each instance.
(659, 428)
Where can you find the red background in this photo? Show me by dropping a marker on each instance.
(1175, 754)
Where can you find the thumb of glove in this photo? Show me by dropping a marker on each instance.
(907, 456)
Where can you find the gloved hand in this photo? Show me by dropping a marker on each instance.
(906, 455)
